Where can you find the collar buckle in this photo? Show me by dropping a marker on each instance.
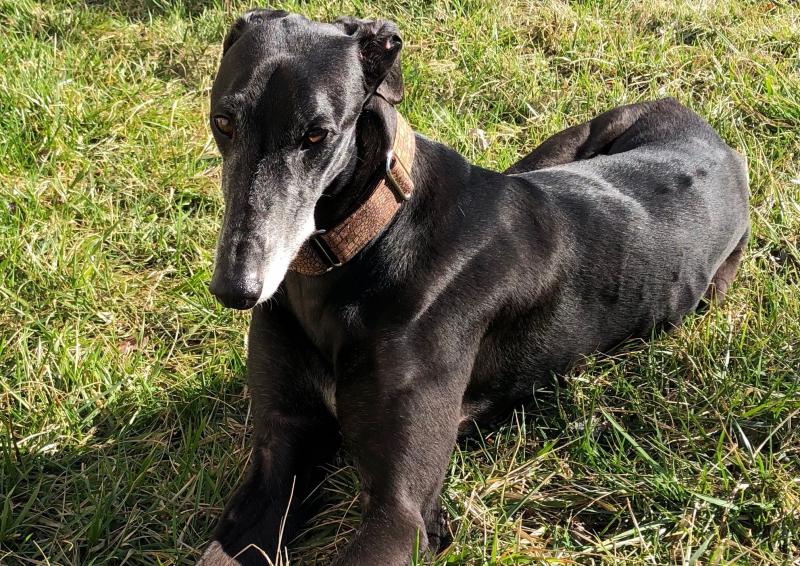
(324, 251)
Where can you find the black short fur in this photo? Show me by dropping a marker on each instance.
(484, 285)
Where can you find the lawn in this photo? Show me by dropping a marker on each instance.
(124, 414)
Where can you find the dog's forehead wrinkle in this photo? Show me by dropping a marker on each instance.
(280, 84)
(265, 71)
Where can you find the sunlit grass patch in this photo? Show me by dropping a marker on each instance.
(124, 415)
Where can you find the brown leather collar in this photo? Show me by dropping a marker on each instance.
(325, 250)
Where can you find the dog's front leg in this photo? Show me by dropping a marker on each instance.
(293, 433)
(399, 420)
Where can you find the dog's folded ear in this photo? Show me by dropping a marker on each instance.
(246, 22)
(380, 44)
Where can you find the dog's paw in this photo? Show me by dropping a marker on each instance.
(438, 531)
(216, 556)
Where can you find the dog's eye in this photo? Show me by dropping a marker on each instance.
(314, 136)
(224, 125)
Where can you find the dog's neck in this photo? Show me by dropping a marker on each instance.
(375, 134)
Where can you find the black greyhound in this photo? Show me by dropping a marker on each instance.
(475, 289)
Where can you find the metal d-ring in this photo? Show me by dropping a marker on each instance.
(394, 186)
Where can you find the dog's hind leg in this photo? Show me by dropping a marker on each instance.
(293, 435)
(726, 273)
(583, 141)
(615, 131)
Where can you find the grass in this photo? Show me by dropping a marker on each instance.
(124, 415)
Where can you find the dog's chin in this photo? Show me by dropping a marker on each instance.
(276, 268)
(274, 273)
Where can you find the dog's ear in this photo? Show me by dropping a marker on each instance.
(379, 43)
(248, 21)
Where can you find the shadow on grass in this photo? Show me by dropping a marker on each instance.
(581, 462)
(145, 485)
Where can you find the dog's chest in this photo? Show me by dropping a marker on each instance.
(316, 317)
(327, 391)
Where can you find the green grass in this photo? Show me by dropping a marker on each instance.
(124, 415)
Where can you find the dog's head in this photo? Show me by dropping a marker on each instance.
(284, 109)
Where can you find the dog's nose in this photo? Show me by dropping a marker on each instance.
(242, 294)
